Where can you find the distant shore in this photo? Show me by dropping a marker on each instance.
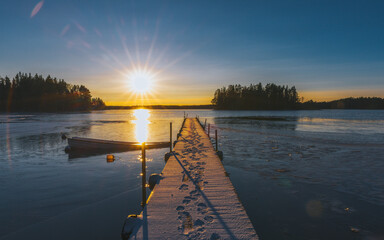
(181, 107)
(34, 93)
(161, 107)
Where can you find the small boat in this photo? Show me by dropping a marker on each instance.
(77, 143)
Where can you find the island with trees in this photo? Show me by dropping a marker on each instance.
(256, 97)
(277, 97)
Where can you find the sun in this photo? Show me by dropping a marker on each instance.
(141, 82)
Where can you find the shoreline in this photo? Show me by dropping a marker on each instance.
(182, 108)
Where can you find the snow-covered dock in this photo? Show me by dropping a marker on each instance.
(195, 198)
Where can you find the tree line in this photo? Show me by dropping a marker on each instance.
(347, 103)
(276, 97)
(27, 92)
(256, 97)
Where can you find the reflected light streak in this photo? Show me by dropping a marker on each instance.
(141, 121)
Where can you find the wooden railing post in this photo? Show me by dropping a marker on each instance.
(217, 148)
(170, 137)
(143, 176)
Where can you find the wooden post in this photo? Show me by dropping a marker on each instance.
(217, 149)
(205, 123)
(209, 129)
(170, 137)
(143, 176)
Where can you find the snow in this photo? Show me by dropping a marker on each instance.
(194, 199)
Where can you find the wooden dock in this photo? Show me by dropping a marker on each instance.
(195, 198)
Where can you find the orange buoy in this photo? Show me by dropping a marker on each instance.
(110, 158)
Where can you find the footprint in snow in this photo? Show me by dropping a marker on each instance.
(186, 222)
(183, 187)
(194, 193)
(209, 219)
(198, 223)
(202, 205)
(180, 208)
(190, 198)
(214, 236)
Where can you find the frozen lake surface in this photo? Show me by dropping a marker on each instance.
(299, 174)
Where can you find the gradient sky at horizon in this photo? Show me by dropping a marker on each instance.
(327, 49)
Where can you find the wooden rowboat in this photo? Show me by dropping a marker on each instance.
(77, 143)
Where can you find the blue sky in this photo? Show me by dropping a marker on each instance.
(327, 49)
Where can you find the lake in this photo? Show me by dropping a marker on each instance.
(299, 174)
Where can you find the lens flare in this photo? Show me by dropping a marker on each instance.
(36, 9)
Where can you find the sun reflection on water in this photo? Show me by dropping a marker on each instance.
(141, 121)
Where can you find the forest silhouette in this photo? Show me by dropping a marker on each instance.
(34, 93)
(29, 93)
(256, 97)
(277, 97)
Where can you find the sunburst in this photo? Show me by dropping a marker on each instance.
(141, 81)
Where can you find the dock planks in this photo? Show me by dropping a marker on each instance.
(195, 199)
